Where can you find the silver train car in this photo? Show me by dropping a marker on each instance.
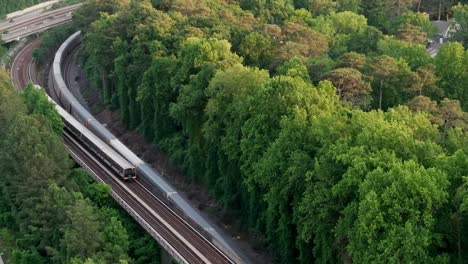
(114, 160)
(143, 170)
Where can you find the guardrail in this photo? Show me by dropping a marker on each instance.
(161, 241)
(7, 38)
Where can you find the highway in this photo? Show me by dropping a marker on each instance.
(35, 22)
(182, 239)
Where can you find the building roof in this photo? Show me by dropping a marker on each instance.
(442, 27)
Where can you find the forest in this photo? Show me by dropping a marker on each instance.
(324, 128)
(56, 213)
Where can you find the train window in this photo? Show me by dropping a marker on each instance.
(130, 172)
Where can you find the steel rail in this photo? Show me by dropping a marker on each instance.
(23, 60)
(74, 147)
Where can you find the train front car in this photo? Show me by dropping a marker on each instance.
(130, 174)
(100, 149)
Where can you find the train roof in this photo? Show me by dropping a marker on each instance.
(155, 178)
(122, 162)
(121, 148)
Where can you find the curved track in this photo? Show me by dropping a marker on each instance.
(23, 68)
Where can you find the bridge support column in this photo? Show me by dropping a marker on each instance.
(165, 257)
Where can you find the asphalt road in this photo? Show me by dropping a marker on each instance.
(34, 22)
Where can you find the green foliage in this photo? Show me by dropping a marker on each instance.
(297, 39)
(317, 67)
(381, 13)
(37, 102)
(272, 11)
(340, 29)
(460, 23)
(91, 11)
(412, 34)
(396, 215)
(349, 5)
(321, 7)
(390, 80)
(41, 199)
(230, 93)
(3, 49)
(51, 40)
(352, 60)
(65, 3)
(415, 55)
(351, 86)
(314, 177)
(451, 63)
(365, 41)
(256, 49)
(294, 68)
(418, 20)
(330, 209)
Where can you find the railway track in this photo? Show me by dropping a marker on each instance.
(22, 68)
(183, 239)
(107, 177)
(146, 206)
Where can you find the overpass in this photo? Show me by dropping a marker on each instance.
(36, 22)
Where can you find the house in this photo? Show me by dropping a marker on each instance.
(444, 31)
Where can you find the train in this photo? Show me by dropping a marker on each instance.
(143, 170)
(74, 129)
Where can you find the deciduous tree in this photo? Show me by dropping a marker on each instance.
(352, 60)
(395, 220)
(351, 86)
(412, 34)
(384, 69)
(451, 66)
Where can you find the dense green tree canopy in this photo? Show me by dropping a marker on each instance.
(292, 114)
(42, 201)
(351, 86)
(460, 23)
(451, 63)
